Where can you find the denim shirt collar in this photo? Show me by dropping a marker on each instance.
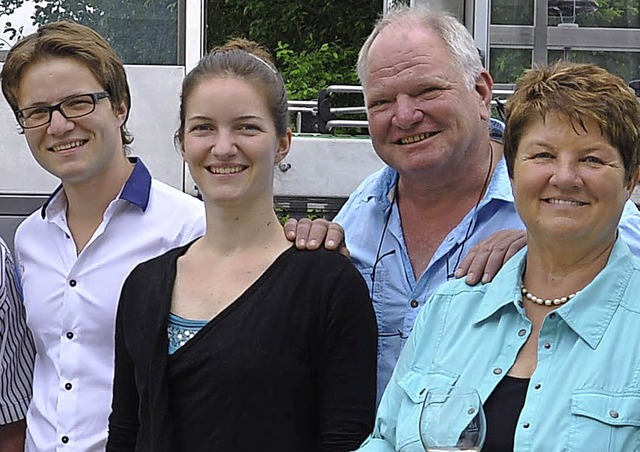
(384, 190)
(588, 314)
(499, 186)
(136, 190)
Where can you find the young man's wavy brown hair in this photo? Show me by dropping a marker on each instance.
(65, 39)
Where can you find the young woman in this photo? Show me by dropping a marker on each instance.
(238, 341)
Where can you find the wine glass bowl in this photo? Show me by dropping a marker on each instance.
(452, 419)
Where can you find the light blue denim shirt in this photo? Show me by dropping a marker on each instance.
(585, 392)
(397, 294)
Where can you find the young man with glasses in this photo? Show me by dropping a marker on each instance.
(70, 95)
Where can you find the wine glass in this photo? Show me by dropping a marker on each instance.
(452, 419)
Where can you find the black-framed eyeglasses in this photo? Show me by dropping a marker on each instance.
(72, 107)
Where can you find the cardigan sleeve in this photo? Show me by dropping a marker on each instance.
(347, 369)
(123, 421)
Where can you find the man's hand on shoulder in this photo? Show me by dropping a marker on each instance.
(486, 258)
(311, 235)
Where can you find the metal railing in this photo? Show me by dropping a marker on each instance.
(321, 116)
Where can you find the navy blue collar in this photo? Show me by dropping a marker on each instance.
(138, 187)
(136, 190)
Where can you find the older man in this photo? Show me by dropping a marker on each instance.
(445, 187)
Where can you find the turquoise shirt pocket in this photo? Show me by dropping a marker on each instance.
(415, 385)
(605, 418)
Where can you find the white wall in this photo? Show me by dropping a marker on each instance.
(320, 166)
(153, 119)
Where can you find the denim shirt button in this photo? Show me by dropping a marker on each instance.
(526, 425)
(497, 371)
(522, 332)
(614, 414)
(414, 303)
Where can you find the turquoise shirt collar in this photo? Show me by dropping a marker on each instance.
(588, 314)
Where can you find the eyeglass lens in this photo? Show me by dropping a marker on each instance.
(74, 107)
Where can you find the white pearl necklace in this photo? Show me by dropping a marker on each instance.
(548, 302)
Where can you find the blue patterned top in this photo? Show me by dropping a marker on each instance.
(180, 330)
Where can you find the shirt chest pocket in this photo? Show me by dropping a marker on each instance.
(605, 421)
(415, 385)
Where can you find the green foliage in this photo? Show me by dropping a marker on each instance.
(302, 24)
(282, 214)
(610, 13)
(307, 71)
(9, 6)
(141, 31)
(625, 65)
(315, 42)
(313, 214)
(613, 14)
(509, 64)
(512, 12)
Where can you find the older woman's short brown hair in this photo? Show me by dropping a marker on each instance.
(66, 39)
(578, 92)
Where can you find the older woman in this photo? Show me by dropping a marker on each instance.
(553, 344)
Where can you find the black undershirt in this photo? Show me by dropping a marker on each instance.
(502, 410)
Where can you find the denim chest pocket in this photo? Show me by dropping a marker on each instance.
(605, 421)
(415, 385)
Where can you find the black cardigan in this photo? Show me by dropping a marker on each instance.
(290, 365)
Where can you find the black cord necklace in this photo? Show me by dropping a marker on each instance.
(394, 201)
(451, 274)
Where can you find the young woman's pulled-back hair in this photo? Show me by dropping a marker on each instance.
(245, 60)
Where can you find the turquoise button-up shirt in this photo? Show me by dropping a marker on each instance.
(585, 392)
